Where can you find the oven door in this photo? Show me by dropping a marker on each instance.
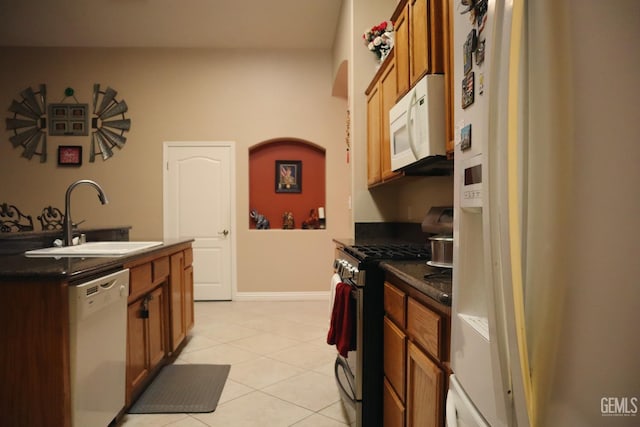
(345, 378)
(348, 370)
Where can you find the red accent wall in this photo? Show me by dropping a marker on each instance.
(262, 181)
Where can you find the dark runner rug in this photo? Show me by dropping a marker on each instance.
(183, 389)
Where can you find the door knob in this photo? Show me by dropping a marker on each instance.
(224, 232)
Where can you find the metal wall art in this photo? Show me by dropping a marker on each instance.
(108, 133)
(29, 123)
(30, 114)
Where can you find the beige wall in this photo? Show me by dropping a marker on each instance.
(188, 94)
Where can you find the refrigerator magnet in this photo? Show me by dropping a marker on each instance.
(480, 52)
(467, 90)
(469, 47)
(465, 138)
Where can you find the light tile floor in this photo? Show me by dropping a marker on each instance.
(281, 367)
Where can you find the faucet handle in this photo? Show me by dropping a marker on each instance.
(76, 224)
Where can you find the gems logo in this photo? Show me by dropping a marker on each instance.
(619, 406)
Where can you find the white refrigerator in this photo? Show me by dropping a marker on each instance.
(546, 278)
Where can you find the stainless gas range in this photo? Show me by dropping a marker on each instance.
(359, 373)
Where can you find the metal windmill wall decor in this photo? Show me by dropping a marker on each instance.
(29, 123)
(107, 134)
(32, 114)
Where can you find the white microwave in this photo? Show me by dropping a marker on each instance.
(417, 123)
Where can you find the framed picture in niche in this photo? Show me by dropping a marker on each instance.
(288, 176)
(69, 155)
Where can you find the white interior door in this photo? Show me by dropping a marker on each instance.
(198, 204)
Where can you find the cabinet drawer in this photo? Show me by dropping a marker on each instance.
(423, 326)
(394, 304)
(160, 269)
(393, 409)
(395, 356)
(140, 280)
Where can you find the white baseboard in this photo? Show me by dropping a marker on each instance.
(282, 296)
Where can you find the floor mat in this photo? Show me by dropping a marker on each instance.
(183, 389)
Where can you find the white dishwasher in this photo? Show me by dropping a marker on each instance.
(98, 353)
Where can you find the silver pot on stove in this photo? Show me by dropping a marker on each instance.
(439, 222)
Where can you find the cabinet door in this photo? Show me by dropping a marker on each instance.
(374, 175)
(424, 390)
(437, 25)
(395, 355)
(156, 327)
(137, 366)
(188, 297)
(392, 408)
(418, 40)
(388, 93)
(401, 46)
(176, 290)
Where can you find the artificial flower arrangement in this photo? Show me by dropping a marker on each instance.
(379, 39)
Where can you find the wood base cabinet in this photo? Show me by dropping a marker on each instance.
(160, 314)
(147, 344)
(181, 289)
(414, 356)
(424, 389)
(146, 323)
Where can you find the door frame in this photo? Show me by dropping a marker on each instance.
(232, 180)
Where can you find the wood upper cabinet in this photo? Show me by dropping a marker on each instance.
(374, 116)
(181, 299)
(401, 47)
(381, 96)
(419, 41)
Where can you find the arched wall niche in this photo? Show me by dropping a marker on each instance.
(267, 199)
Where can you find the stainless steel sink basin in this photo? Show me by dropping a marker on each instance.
(94, 249)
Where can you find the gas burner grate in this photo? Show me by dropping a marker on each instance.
(395, 251)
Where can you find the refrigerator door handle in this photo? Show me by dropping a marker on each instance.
(513, 208)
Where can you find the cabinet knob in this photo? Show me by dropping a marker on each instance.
(224, 232)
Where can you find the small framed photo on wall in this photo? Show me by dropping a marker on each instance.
(288, 176)
(69, 155)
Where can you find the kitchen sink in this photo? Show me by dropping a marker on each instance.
(94, 249)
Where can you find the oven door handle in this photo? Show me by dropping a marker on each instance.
(341, 364)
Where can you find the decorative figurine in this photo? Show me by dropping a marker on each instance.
(262, 223)
(311, 222)
(287, 221)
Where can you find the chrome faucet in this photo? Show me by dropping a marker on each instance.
(67, 223)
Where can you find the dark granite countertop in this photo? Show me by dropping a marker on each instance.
(21, 267)
(413, 273)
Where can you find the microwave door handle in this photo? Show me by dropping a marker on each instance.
(412, 101)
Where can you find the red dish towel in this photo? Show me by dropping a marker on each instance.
(341, 331)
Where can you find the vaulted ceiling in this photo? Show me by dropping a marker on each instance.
(169, 23)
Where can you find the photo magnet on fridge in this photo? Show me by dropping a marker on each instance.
(469, 47)
(480, 52)
(467, 90)
(465, 138)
